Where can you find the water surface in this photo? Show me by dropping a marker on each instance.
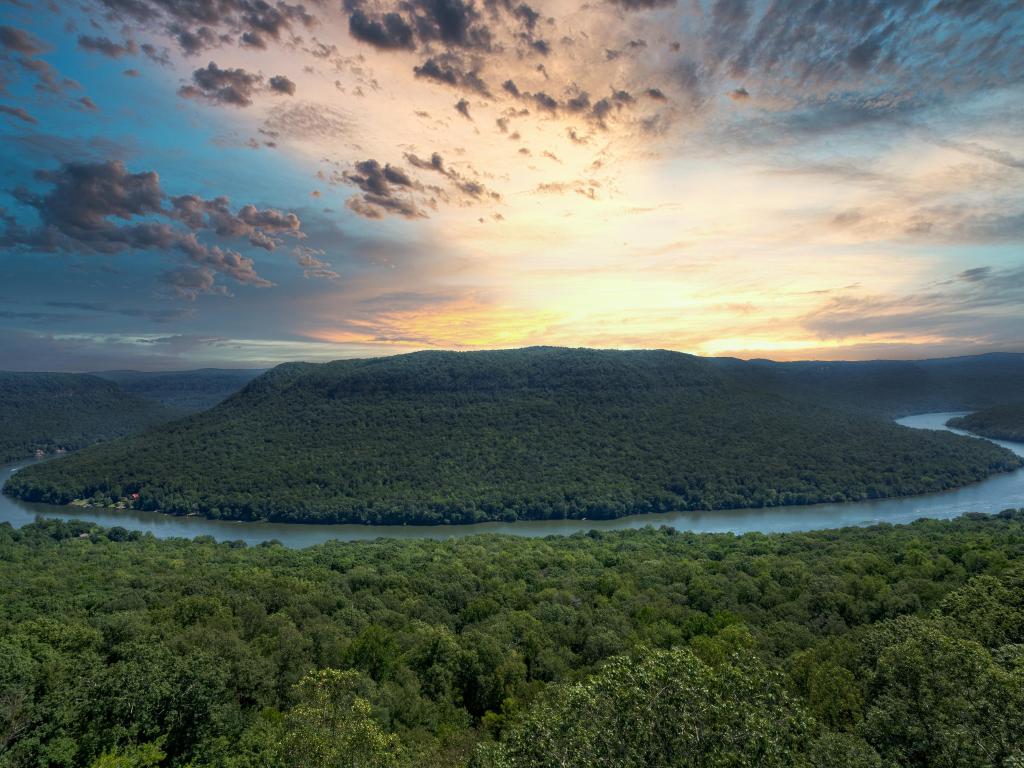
(992, 495)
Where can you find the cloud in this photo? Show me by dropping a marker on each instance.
(234, 87)
(311, 263)
(103, 208)
(468, 187)
(975, 274)
(386, 189)
(188, 282)
(306, 121)
(390, 32)
(198, 26)
(981, 306)
(453, 23)
(20, 41)
(18, 113)
(462, 107)
(643, 5)
(449, 69)
(281, 84)
(107, 47)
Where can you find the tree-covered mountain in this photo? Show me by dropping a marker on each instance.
(882, 647)
(49, 412)
(538, 433)
(890, 387)
(1001, 422)
(185, 391)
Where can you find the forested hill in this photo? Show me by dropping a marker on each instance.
(185, 391)
(437, 437)
(67, 411)
(1005, 422)
(890, 387)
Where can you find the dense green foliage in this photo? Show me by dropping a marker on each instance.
(51, 411)
(885, 646)
(534, 434)
(890, 387)
(184, 391)
(1001, 422)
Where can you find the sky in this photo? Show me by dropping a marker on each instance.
(240, 183)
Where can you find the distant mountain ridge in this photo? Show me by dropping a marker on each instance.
(892, 387)
(435, 437)
(51, 412)
(186, 391)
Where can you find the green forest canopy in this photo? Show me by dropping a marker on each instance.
(884, 647)
(1001, 422)
(51, 411)
(538, 433)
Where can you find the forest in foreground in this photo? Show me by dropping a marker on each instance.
(876, 647)
(540, 433)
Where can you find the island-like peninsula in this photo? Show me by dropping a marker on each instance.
(539, 433)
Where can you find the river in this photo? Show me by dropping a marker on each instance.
(991, 495)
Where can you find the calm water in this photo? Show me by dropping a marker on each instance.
(991, 495)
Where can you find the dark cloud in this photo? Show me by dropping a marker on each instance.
(103, 208)
(656, 93)
(18, 113)
(462, 107)
(435, 163)
(281, 84)
(542, 101)
(449, 69)
(48, 79)
(643, 5)
(452, 23)
(188, 282)
(234, 87)
(197, 25)
(739, 94)
(975, 274)
(527, 15)
(390, 32)
(263, 228)
(107, 47)
(386, 189)
(20, 41)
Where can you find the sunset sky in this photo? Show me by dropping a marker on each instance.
(189, 183)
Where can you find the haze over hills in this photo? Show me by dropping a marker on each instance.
(1001, 422)
(891, 387)
(535, 433)
(67, 411)
(186, 391)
